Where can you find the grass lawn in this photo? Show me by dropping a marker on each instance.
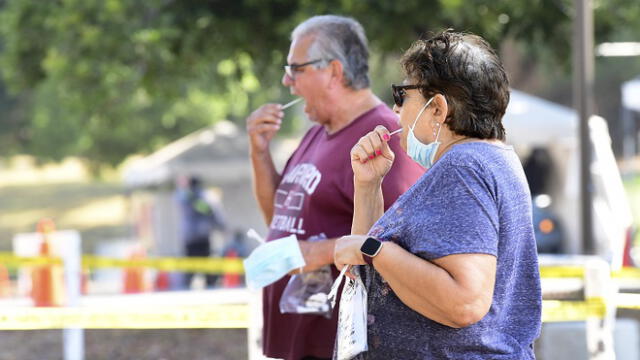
(97, 209)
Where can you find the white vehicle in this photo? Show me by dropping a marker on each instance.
(533, 123)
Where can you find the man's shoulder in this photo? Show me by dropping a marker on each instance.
(378, 115)
(381, 113)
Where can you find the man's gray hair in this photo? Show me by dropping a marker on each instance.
(338, 38)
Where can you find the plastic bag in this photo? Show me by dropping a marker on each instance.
(307, 293)
(351, 338)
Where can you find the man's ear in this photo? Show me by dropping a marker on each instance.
(440, 108)
(337, 74)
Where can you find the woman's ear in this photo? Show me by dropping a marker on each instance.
(441, 108)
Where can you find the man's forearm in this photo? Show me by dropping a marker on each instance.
(265, 182)
(317, 253)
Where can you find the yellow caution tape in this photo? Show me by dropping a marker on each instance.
(229, 315)
(134, 317)
(210, 316)
(578, 272)
(558, 311)
(234, 265)
(10, 260)
(190, 264)
(627, 273)
(561, 272)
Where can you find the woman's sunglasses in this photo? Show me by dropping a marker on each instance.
(400, 91)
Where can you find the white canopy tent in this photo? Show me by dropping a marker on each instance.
(631, 94)
(534, 122)
(218, 154)
(531, 121)
(630, 108)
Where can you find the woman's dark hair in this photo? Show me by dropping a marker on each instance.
(467, 71)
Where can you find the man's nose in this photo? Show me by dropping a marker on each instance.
(287, 80)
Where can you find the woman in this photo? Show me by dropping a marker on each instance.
(452, 266)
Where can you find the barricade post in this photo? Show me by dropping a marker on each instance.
(599, 331)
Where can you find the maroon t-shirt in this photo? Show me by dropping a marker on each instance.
(315, 199)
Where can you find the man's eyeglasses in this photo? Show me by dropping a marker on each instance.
(292, 69)
(400, 91)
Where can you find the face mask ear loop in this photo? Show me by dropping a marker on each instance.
(420, 113)
(438, 134)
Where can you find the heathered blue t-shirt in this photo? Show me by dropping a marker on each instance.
(475, 199)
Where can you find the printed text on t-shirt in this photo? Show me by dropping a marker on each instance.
(305, 175)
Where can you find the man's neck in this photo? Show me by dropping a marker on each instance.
(349, 106)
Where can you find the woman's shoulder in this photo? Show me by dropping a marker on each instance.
(478, 154)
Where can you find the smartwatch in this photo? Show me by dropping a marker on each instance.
(370, 248)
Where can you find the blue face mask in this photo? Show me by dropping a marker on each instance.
(423, 154)
(271, 261)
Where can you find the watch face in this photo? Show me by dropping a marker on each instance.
(370, 246)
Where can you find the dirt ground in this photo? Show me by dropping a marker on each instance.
(183, 344)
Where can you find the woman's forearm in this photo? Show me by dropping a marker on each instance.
(368, 207)
(456, 296)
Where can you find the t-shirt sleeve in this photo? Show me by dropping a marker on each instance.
(457, 214)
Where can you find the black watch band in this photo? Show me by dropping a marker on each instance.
(370, 248)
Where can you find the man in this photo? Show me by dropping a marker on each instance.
(198, 220)
(328, 68)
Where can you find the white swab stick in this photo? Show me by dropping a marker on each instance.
(291, 103)
(395, 132)
(254, 235)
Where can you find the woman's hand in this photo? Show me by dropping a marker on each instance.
(371, 157)
(347, 251)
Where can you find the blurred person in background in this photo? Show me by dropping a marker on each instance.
(538, 167)
(198, 219)
(452, 266)
(328, 67)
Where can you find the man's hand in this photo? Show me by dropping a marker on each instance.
(316, 254)
(262, 126)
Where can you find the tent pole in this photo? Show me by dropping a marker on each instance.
(583, 79)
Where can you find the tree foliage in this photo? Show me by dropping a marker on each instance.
(107, 78)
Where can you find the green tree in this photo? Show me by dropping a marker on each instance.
(107, 78)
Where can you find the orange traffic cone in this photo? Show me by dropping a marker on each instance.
(84, 281)
(5, 282)
(231, 280)
(134, 276)
(46, 289)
